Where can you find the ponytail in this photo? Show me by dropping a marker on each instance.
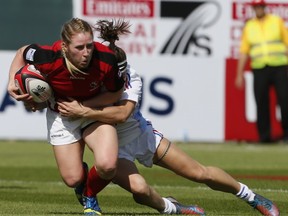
(110, 31)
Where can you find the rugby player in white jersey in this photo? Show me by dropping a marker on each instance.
(139, 140)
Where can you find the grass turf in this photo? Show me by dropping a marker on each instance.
(30, 183)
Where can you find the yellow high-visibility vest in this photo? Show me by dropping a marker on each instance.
(265, 41)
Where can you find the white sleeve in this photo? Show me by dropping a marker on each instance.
(133, 86)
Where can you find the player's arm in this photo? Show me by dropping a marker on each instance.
(16, 64)
(104, 99)
(112, 114)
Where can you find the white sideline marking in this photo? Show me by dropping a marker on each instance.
(154, 186)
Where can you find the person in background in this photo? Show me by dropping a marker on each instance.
(139, 140)
(264, 41)
(77, 66)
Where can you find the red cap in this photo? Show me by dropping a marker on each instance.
(258, 2)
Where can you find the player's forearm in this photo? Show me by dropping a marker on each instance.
(104, 99)
(16, 64)
(110, 115)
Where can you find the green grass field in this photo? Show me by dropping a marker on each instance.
(30, 183)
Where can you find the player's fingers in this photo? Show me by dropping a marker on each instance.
(62, 110)
(23, 97)
(64, 113)
(62, 106)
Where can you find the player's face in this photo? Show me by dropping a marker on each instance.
(80, 50)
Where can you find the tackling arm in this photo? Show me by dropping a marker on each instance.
(104, 99)
(118, 113)
(112, 114)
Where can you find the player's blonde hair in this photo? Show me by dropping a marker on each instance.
(70, 28)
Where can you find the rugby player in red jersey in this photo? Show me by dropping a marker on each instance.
(76, 66)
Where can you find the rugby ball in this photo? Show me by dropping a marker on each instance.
(29, 80)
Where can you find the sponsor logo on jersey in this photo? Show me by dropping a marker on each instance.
(30, 54)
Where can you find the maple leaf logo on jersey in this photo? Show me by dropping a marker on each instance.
(93, 86)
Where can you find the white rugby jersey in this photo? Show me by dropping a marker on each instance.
(136, 123)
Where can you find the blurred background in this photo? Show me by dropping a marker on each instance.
(185, 51)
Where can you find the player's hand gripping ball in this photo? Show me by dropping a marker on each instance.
(29, 80)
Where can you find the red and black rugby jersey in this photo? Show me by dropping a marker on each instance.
(102, 71)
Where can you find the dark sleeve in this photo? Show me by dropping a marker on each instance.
(114, 80)
(35, 54)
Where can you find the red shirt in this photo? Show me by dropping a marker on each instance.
(102, 72)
